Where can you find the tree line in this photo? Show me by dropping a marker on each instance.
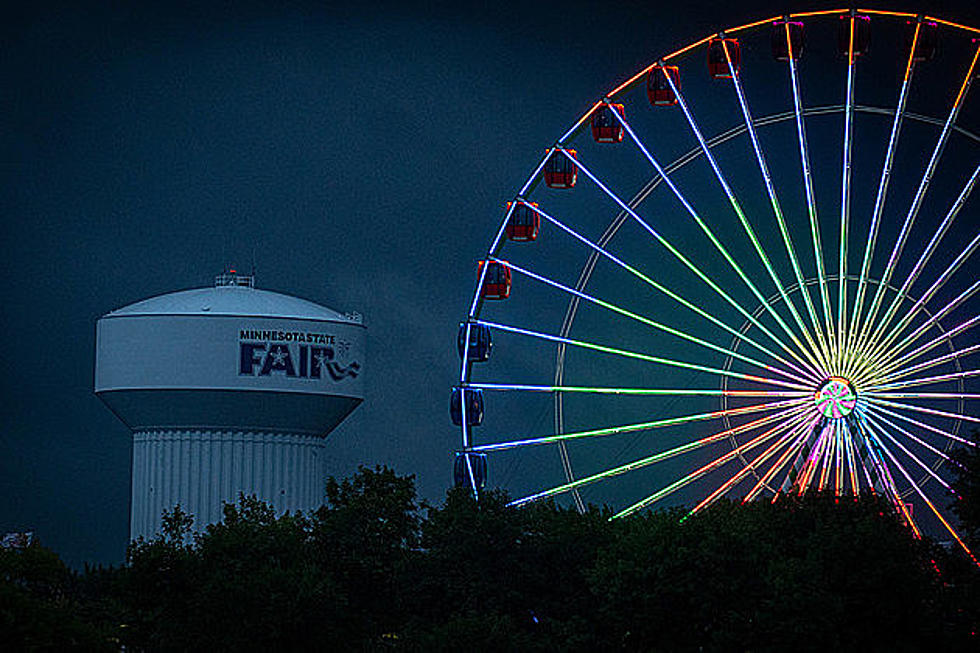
(375, 568)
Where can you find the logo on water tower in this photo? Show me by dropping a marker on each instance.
(296, 354)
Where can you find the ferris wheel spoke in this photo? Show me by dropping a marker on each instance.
(920, 195)
(675, 296)
(836, 459)
(830, 456)
(852, 458)
(869, 464)
(647, 321)
(935, 318)
(839, 455)
(927, 253)
(904, 323)
(862, 460)
(822, 353)
(690, 478)
(926, 395)
(827, 458)
(663, 175)
(839, 462)
(875, 415)
(640, 426)
(750, 232)
(959, 353)
(812, 467)
(925, 499)
(654, 392)
(640, 356)
(811, 209)
(876, 449)
(811, 201)
(931, 380)
(811, 459)
(922, 425)
(945, 337)
(804, 451)
(886, 341)
(883, 184)
(792, 428)
(809, 364)
(926, 468)
(795, 447)
(923, 409)
(664, 455)
(845, 202)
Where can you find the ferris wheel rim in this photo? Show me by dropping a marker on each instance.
(843, 278)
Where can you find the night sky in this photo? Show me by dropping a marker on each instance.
(357, 155)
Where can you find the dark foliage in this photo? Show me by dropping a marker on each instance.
(373, 569)
(43, 606)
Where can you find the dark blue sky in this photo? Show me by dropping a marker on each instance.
(360, 154)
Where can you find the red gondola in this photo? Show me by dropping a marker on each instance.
(523, 224)
(718, 61)
(658, 88)
(605, 127)
(560, 171)
(925, 45)
(496, 284)
(862, 36)
(781, 49)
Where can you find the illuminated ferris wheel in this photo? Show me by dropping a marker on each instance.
(745, 279)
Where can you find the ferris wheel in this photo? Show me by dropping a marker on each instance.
(747, 271)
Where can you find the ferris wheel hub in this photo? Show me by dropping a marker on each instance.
(835, 398)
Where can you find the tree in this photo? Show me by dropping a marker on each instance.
(370, 570)
(762, 576)
(247, 583)
(364, 537)
(40, 604)
(494, 577)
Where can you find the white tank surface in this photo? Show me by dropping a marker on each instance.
(227, 389)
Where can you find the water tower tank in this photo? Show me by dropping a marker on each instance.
(227, 389)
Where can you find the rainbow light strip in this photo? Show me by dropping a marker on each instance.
(705, 278)
(650, 460)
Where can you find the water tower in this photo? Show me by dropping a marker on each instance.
(227, 389)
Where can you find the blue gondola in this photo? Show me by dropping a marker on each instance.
(474, 406)
(477, 463)
(480, 342)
